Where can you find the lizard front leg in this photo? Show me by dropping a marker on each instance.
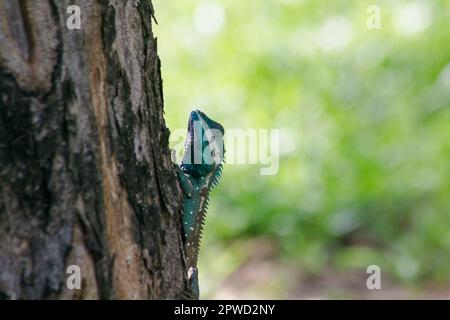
(184, 181)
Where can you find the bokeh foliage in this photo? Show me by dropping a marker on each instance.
(365, 127)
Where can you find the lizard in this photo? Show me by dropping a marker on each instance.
(198, 172)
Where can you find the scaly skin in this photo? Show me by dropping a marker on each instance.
(198, 173)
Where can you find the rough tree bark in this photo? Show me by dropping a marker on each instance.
(85, 170)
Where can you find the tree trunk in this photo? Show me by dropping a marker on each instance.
(86, 176)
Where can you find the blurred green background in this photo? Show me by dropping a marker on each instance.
(365, 142)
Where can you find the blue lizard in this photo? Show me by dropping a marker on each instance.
(199, 171)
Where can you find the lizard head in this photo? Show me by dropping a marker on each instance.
(204, 147)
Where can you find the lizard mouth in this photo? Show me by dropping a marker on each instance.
(207, 123)
(194, 116)
(193, 123)
(198, 125)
